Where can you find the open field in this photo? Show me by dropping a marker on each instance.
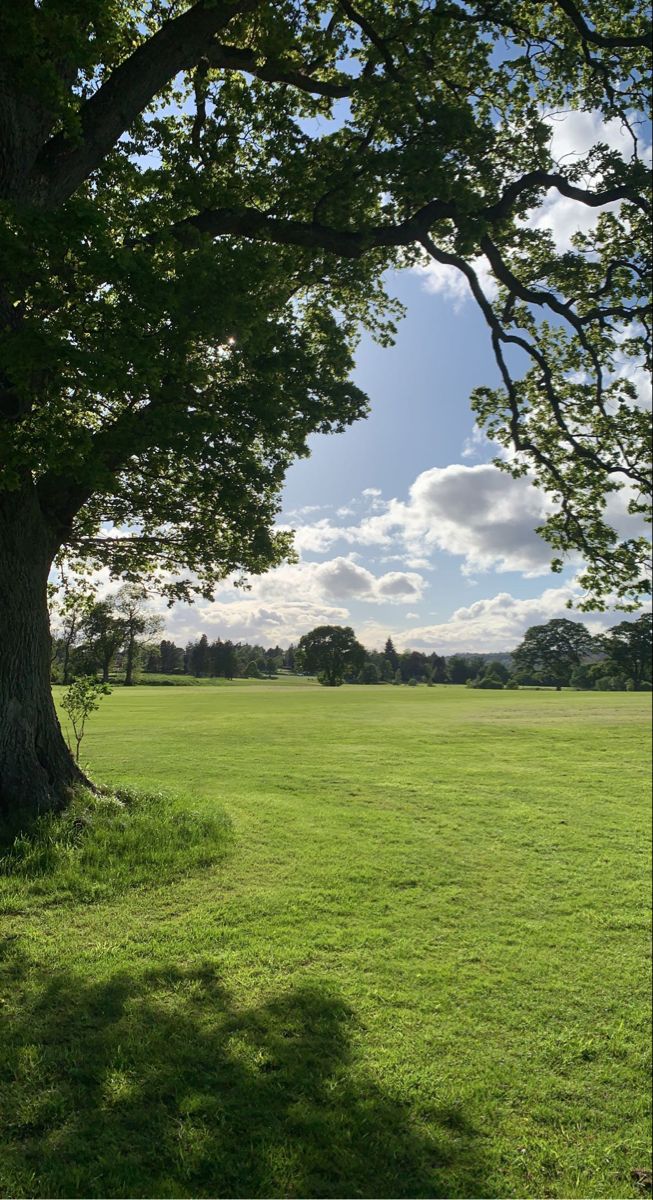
(420, 968)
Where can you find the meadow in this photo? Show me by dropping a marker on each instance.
(369, 942)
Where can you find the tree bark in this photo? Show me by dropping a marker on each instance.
(129, 664)
(37, 769)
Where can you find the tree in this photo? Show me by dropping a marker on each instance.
(496, 670)
(459, 669)
(331, 652)
(81, 699)
(628, 648)
(225, 661)
(368, 674)
(105, 632)
(386, 671)
(73, 604)
(199, 658)
(390, 654)
(157, 156)
(137, 622)
(551, 651)
(172, 657)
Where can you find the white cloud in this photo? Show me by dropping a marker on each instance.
(494, 624)
(479, 513)
(293, 598)
(477, 443)
(250, 620)
(448, 281)
(572, 136)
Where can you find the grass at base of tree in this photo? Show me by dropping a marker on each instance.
(102, 845)
(422, 970)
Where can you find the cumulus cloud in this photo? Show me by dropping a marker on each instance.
(494, 624)
(572, 136)
(248, 619)
(479, 513)
(444, 280)
(282, 605)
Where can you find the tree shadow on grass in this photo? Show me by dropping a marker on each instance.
(160, 1086)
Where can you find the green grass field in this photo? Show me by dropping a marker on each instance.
(416, 968)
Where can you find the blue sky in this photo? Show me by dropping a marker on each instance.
(403, 525)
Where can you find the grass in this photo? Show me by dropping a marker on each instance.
(421, 970)
(103, 845)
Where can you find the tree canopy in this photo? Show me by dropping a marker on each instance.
(331, 652)
(200, 200)
(200, 205)
(628, 647)
(554, 649)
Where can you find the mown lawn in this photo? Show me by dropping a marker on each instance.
(419, 969)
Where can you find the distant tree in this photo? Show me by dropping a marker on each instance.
(552, 651)
(628, 648)
(438, 669)
(152, 659)
(330, 652)
(487, 682)
(368, 674)
(582, 678)
(172, 657)
(199, 658)
(386, 672)
(390, 653)
(398, 676)
(459, 669)
(225, 659)
(289, 658)
(413, 665)
(71, 603)
(138, 620)
(252, 670)
(610, 683)
(496, 670)
(105, 633)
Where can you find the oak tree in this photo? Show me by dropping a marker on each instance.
(331, 652)
(628, 648)
(199, 202)
(550, 652)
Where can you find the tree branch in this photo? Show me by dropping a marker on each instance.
(235, 58)
(599, 39)
(64, 162)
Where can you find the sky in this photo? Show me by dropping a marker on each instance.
(404, 527)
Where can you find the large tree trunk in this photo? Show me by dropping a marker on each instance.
(36, 767)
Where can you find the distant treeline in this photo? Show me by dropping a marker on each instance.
(101, 641)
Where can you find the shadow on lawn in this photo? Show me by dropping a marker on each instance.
(160, 1086)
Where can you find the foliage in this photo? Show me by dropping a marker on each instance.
(609, 683)
(331, 652)
(81, 699)
(158, 156)
(368, 674)
(346, 1006)
(105, 633)
(552, 651)
(628, 648)
(138, 622)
